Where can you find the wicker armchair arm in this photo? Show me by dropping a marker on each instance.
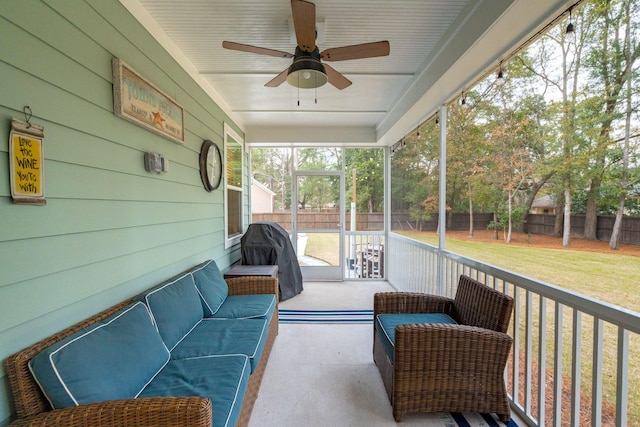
(469, 349)
(247, 285)
(150, 411)
(407, 302)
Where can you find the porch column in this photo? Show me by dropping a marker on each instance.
(442, 198)
(387, 210)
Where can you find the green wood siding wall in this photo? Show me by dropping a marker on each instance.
(109, 229)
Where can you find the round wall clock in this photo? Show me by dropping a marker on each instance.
(210, 165)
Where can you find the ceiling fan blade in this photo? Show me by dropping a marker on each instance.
(335, 78)
(279, 79)
(254, 49)
(357, 51)
(304, 22)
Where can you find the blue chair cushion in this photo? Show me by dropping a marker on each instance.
(385, 326)
(228, 336)
(112, 359)
(175, 307)
(211, 286)
(247, 307)
(223, 379)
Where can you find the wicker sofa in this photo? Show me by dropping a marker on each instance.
(437, 354)
(190, 351)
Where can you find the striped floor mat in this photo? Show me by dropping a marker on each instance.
(325, 316)
(472, 419)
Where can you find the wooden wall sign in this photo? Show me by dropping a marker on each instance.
(137, 100)
(26, 163)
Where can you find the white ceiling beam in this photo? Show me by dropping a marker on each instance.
(310, 135)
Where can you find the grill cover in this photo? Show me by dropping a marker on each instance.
(267, 243)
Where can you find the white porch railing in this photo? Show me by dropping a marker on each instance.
(564, 340)
(365, 255)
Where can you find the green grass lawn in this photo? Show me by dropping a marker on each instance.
(324, 246)
(608, 277)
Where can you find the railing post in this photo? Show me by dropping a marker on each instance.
(387, 210)
(622, 378)
(442, 197)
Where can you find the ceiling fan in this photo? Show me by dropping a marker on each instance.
(307, 70)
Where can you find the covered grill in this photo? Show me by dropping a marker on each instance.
(267, 243)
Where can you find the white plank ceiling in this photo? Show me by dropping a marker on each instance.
(438, 47)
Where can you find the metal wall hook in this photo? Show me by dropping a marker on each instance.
(27, 115)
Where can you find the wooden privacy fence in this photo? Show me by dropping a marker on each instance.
(314, 220)
(629, 232)
(535, 224)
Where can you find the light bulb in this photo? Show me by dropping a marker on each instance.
(306, 75)
(570, 32)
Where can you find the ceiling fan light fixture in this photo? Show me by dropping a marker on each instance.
(306, 73)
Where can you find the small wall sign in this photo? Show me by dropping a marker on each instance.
(26, 163)
(139, 101)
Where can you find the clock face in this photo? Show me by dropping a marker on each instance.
(210, 165)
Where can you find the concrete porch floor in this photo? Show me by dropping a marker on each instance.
(324, 375)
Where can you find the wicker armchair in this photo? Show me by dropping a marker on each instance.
(447, 367)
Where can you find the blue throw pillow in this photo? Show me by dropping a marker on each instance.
(175, 307)
(211, 286)
(112, 359)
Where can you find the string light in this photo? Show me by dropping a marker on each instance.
(500, 78)
(570, 32)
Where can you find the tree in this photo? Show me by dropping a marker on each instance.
(556, 47)
(624, 178)
(272, 167)
(465, 151)
(368, 164)
(414, 174)
(612, 65)
(509, 163)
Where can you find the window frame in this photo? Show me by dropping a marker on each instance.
(231, 140)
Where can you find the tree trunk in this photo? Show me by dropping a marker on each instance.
(566, 232)
(508, 239)
(617, 225)
(557, 226)
(591, 217)
(522, 228)
(495, 229)
(470, 213)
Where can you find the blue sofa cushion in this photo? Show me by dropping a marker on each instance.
(223, 379)
(112, 359)
(175, 307)
(247, 307)
(228, 336)
(385, 326)
(211, 286)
